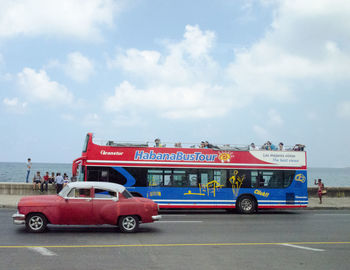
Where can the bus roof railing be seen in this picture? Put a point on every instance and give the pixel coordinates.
(222, 147)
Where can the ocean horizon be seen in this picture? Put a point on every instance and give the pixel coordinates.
(17, 171)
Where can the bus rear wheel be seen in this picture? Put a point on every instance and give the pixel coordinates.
(246, 205)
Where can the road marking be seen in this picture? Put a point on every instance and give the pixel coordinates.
(332, 214)
(301, 247)
(170, 215)
(179, 221)
(182, 245)
(43, 251)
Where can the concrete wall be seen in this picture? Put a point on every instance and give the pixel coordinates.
(23, 189)
(27, 189)
(334, 192)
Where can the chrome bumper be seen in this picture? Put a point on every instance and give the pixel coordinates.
(156, 217)
(18, 218)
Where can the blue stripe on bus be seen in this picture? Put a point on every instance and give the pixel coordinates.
(130, 180)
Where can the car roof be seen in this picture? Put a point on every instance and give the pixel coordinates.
(102, 185)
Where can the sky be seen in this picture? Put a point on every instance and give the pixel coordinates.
(230, 72)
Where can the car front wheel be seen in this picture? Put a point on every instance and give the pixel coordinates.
(128, 224)
(36, 223)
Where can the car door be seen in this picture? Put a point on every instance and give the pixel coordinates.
(77, 207)
(105, 207)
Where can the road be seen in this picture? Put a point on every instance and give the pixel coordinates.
(298, 239)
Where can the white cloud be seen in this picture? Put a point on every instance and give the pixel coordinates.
(78, 67)
(178, 84)
(38, 87)
(343, 109)
(194, 101)
(79, 18)
(307, 41)
(14, 105)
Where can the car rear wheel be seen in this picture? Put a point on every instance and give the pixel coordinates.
(36, 223)
(128, 224)
(246, 205)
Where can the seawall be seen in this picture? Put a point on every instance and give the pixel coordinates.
(7, 188)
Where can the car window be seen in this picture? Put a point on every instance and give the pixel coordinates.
(79, 193)
(127, 194)
(105, 194)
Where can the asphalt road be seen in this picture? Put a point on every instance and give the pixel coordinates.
(300, 239)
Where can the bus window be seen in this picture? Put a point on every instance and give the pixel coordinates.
(104, 176)
(240, 177)
(276, 180)
(220, 176)
(206, 176)
(155, 178)
(92, 175)
(86, 143)
(81, 176)
(192, 177)
(179, 178)
(167, 180)
(288, 178)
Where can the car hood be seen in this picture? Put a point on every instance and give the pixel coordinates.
(38, 200)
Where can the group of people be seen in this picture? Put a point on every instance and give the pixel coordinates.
(270, 146)
(43, 181)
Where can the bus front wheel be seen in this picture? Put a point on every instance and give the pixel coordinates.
(246, 205)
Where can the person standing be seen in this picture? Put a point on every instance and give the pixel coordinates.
(59, 182)
(29, 166)
(320, 189)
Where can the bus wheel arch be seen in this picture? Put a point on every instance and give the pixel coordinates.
(247, 204)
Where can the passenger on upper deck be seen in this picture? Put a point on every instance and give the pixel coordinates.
(208, 145)
(252, 147)
(280, 146)
(178, 145)
(299, 147)
(157, 143)
(202, 145)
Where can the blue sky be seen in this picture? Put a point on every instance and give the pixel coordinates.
(223, 71)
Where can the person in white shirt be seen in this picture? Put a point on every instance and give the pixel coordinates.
(280, 146)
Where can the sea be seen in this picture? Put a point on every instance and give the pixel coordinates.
(17, 171)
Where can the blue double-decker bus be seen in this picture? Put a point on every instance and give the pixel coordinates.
(224, 177)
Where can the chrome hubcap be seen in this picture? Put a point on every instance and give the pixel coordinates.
(129, 223)
(35, 223)
(246, 204)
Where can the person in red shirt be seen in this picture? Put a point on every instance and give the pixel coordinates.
(45, 182)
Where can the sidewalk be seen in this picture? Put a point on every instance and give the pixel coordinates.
(10, 201)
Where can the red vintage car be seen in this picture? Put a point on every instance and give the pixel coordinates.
(86, 203)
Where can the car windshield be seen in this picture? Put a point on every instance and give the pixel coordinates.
(63, 191)
(127, 194)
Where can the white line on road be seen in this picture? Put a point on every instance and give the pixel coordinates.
(332, 214)
(173, 215)
(301, 247)
(43, 251)
(179, 221)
